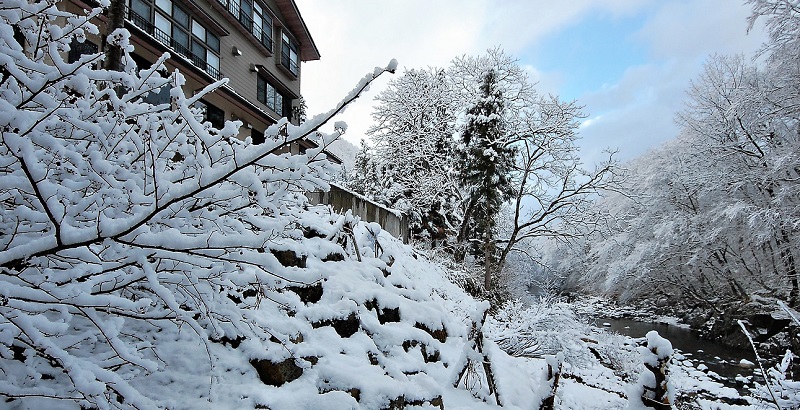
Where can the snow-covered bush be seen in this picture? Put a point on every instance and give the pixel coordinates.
(545, 327)
(123, 222)
(654, 388)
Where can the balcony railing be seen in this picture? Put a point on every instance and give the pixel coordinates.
(145, 25)
(236, 11)
(289, 64)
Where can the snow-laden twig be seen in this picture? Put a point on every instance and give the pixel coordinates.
(758, 361)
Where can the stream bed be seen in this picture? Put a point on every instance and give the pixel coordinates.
(721, 359)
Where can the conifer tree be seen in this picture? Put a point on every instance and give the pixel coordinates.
(486, 163)
(364, 175)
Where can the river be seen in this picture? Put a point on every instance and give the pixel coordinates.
(721, 359)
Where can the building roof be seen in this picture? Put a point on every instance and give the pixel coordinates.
(295, 23)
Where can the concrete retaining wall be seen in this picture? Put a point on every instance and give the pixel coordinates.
(341, 200)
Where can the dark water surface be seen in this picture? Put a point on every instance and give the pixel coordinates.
(721, 359)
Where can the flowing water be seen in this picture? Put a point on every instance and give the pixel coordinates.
(721, 359)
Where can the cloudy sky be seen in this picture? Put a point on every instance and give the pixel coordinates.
(629, 62)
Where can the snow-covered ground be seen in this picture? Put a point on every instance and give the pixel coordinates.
(388, 330)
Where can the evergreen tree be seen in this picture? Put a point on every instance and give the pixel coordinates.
(486, 164)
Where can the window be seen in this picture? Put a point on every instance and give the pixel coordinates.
(289, 54)
(271, 97)
(262, 26)
(198, 30)
(141, 8)
(257, 137)
(165, 5)
(164, 27)
(215, 115)
(247, 14)
(180, 39)
(180, 16)
(173, 26)
(160, 96)
(77, 49)
(254, 16)
(211, 113)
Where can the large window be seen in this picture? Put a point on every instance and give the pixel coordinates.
(254, 16)
(290, 54)
(272, 98)
(173, 26)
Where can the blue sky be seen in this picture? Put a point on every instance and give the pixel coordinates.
(589, 54)
(628, 62)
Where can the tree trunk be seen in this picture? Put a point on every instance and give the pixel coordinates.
(116, 19)
(789, 265)
(487, 255)
(461, 251)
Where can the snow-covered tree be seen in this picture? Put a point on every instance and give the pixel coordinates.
(363, 178)
(546, 189)
(122, 221)
(710, 218)
(486, 161)
(412, 134)
(551, 190)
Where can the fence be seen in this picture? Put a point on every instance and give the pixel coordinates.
(394, 222)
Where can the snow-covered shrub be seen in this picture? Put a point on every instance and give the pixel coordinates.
(545, 327)
(127, 227)
(654, 388)
(779, 387)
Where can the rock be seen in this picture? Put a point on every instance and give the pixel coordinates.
(438, 334)
(344, 327)
(388, 315)
(289, 258)
(309, 293)
(277, 374)
(227, 341)
(746, 364)
(333, 257)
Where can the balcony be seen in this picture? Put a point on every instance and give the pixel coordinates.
(265, 39)
(145, 25)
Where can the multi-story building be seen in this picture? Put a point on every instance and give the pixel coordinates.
(258, 45)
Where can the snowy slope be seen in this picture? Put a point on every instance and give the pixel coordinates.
(379, 333)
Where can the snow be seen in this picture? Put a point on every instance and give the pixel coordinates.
(137, 278)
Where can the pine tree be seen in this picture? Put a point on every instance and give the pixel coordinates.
(486, 163)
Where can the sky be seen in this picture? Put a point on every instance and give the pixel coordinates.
(628, 62)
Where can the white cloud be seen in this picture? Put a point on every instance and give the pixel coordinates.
(354, 36)
(636, 114)
(632, 114)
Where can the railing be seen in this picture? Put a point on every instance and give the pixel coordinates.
(236, 11)
(145, 25)
(290, 64)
